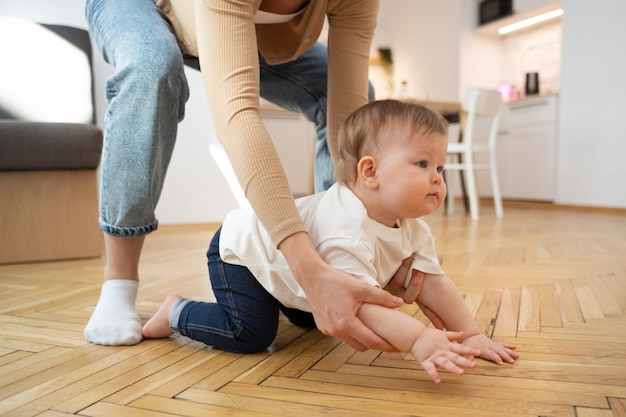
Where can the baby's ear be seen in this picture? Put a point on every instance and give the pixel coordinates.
(366, 170)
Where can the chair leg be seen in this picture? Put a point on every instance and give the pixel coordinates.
(463, 191)
(495, 185)
(449, 197)
(471, 188)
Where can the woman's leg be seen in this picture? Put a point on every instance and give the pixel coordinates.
(146, 99)
(245, 317)
(146, 96)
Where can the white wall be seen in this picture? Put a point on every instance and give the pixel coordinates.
(424, 36)
(480, 56)
(592, 138)
(70, 12)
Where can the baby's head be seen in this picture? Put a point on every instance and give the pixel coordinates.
(377, 124)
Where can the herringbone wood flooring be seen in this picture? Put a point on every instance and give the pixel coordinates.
(550, 280)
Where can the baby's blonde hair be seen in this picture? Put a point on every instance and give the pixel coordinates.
(377, 123)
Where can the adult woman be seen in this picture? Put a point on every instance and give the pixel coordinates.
(228, 44)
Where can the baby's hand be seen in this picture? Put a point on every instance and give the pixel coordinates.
(492, 351)
(436, 348)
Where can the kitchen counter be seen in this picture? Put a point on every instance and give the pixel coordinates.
(526, 149)
(531, 98)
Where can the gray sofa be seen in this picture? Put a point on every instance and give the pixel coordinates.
(50, 146)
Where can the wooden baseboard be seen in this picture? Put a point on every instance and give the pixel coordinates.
(49, 215)
(545, 205)
(550, 205)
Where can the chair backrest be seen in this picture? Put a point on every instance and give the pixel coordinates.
(482, 103)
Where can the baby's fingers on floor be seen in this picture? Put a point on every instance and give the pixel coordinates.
(462, 361)
(499, 355)
(431, 370)
(464, 350)
(507, 352)
(511, 352)
(508, 355)
(452, 364)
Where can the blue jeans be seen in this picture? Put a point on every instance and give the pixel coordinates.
(146, 99)
(245, 317)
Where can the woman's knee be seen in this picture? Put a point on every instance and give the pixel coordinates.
(155, 77)
(161, 67)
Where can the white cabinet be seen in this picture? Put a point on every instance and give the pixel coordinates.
(526, 149)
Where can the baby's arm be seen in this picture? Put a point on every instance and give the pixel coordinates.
(441, 295)
(432, 348)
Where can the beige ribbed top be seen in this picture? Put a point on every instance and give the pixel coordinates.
(228, 42)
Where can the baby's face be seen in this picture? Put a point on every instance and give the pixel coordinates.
(410, 176)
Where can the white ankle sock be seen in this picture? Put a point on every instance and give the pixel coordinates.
(114, 321)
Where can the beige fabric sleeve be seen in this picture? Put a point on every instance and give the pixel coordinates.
(227, 49)
(351, 29)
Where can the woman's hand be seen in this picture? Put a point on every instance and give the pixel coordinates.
(396, 285)
(335, 296)
(412, 290)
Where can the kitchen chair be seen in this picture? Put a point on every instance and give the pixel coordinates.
(479, 106)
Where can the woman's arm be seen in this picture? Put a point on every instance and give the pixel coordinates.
(227, 49)
(351, 27)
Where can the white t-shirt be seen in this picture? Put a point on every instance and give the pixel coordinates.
(342, 233)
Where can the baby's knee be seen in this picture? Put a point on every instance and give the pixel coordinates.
(254, 342)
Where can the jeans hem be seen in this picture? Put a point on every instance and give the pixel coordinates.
(176, 313)
(135, 231)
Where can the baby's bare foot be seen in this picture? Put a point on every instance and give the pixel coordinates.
(159, 325)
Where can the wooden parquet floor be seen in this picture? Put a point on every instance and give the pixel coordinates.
(550, 280)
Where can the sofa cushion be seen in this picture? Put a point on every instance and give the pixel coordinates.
(44, 146)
